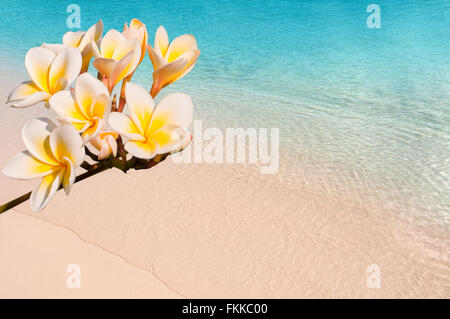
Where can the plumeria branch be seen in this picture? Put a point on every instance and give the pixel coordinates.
(94, 169)
(121, 148)
(91, 155)
(91, 114)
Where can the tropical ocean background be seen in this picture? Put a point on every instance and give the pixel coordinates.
(362, 112)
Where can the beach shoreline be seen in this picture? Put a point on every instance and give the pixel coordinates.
(210, 231)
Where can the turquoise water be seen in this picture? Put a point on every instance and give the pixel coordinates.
(362, 112)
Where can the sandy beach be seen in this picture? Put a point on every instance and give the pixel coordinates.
(208, 231)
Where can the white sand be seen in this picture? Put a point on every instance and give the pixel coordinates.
(35, 265)
(190, 230)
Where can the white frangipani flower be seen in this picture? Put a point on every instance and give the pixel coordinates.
(151, 131)
(49, 73)
(171, 61)
(53, 153)
(81, 40)
(117, 57)
(86, 107)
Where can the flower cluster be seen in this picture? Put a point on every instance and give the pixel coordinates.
(124, 130)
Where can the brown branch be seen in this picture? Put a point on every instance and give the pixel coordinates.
(90, 154)
(121, 149)
(14, 202)
(86, 166)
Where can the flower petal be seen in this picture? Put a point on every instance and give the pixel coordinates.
(170, 138)
(67, 65)
(73, 39)
(104, 65)
(167, 74)
(112, 143)
(126, 47)
(174, 109)
(101, 106)
(123, 68)
(181, 45)
(95, 50)
(66, 142)
(26, 166)
(140, 105)
(35, 135)
(64, 105)
(96, 142)
(192, 57)
(80, 126)
(125, 126)
(45, 191)
(110, 43)
(145, 150)
(68, 177)
(56, 48)
(24, 90)
(93, 33)
(32, 100)
(88, 44)
(105, 134)
(136, 24)
(161, 41)
(59, 85)
(104, 151)
(92, 130)
(37, 63)
(86, 55)
(156, 58)
(106, 146)
(87, 89)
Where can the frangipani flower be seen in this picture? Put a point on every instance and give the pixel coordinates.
(86, 108)
(53, 153)
(171, 62)
(117, 58)
(49, 74)
(81, 40)
(138, 31)
(149, 130)
(106, 144)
